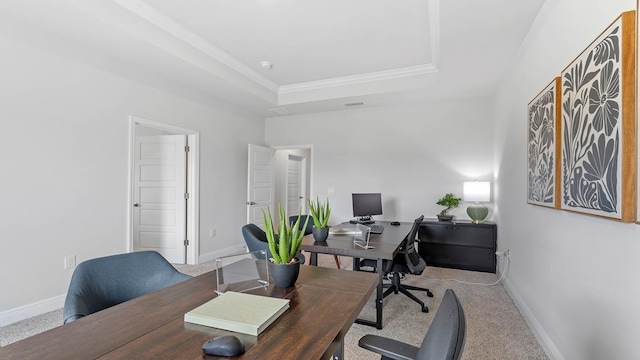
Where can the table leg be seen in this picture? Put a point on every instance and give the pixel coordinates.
(379, 295)
(339, 354)
(313, 259)
(379, 300)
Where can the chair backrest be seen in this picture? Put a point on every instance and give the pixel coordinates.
(107, 281)
(445, 338)
(255, 238)
(309, 229)
(414, 262)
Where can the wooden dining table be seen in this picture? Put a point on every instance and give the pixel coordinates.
(324, 304)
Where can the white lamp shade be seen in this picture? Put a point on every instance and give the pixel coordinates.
(477, 191)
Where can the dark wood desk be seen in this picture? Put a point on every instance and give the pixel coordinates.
(386, 245)
(152, 326)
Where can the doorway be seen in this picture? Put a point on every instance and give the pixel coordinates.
(163, 191)
(282, 176)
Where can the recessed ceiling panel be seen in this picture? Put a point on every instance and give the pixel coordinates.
(310, 40)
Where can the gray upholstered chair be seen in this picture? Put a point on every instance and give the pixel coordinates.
(107, 281)
(444, 340)
(256, 239)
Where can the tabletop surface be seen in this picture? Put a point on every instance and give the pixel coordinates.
(385, 245)
(152, 326)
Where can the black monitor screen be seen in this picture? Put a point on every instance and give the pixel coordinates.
(367, 204)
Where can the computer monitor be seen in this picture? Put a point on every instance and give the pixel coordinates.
(366, 205)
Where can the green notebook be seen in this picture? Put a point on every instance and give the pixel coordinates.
(239, 312)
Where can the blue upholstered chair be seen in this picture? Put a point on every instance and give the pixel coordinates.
(444, 340)
(256, 239)
(107, 281)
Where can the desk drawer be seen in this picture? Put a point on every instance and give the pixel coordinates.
(459, 257)
(477, 235)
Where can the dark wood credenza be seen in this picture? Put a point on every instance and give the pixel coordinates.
(459, 244)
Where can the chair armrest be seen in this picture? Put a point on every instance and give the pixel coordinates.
(388, 348)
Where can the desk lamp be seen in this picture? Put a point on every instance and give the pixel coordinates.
(476, 192)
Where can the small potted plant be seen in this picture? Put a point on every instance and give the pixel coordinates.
(320, 213)
(450, 201)
(284, 267)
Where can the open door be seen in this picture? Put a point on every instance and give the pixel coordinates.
(295, 185)
(260, 183)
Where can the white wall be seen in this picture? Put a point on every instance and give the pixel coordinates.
(64, 153)
(412, 155)
(573, 275)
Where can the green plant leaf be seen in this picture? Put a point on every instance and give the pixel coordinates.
(320, 213)
(271, 240)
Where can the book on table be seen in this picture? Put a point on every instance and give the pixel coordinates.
(239, 312)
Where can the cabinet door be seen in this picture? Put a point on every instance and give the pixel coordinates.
(458, 234)
(458, 257)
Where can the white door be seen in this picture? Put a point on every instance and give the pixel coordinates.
(159, 208)
(260, 188)
(295, 193)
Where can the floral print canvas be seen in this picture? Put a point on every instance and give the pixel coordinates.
(543, 120)
(593, 127)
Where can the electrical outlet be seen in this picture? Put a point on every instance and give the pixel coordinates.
(69, 262)
(503, 253)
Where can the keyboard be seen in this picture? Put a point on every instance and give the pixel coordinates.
(377, 229)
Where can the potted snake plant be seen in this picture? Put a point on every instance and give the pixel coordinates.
(284, 266)
(320, 213)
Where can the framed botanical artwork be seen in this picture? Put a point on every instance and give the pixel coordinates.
(598, 154)
(637, 110)
(543, 146)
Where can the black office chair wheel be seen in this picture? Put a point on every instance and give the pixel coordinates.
(425, 309)
(429, 294)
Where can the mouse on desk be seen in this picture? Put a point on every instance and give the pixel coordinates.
(395, 223)
(224, 345)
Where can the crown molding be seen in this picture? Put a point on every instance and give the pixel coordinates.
(174, 29)
(359, 79)
(170, 31)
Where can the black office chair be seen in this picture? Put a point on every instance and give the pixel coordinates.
(309, 229)
(107, 281)
(444, 340)
(256, 239)
(406, 261)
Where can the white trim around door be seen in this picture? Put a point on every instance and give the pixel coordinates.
(193, 170)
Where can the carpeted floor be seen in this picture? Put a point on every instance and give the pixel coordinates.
(495, 328)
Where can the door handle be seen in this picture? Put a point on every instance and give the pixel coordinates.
(251, 203)
(135, 204)
(301, 197)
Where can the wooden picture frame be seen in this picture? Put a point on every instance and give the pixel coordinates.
(637, 42)
(543, 147)
(598, 154)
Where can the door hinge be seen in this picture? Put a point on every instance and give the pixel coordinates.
(186, 242)
(186, 196)
(186, 148)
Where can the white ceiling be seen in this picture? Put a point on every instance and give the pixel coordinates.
(325, 53)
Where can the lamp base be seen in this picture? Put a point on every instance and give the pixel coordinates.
(477, 212)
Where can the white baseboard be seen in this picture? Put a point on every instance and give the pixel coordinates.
(38, 308)
(211, 256)
(537, 329)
